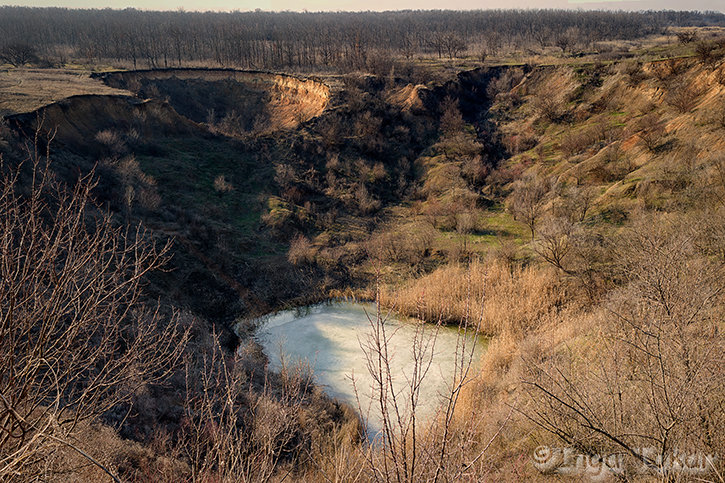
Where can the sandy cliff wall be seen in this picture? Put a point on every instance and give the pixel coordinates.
(275, 101)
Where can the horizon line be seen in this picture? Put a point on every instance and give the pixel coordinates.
(578, 8)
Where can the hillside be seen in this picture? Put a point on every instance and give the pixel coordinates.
(574, 211)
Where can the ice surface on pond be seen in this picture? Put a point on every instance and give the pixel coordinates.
(329, 338)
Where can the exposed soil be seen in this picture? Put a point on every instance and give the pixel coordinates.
(233, 99)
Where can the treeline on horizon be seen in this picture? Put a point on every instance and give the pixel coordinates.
(344, 40)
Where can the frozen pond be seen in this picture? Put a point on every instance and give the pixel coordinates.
(329, 337)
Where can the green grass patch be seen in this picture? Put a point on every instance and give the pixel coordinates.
(186, 169)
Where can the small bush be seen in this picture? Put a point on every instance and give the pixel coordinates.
(221, 185)
(634, 72)
(505, 82)
(112, 141)
(709, 53)
(668, 69)
(720, 75)
(651, 131)
(451, 122)
(683, 96)
(518, 143)
(301, 251)
(577, 142)
(687, 36)
(366, 202)
(548, 107)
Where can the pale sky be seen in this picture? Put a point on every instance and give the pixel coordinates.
(357, 5)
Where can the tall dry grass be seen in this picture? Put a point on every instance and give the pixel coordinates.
(528, 311)
(507, 299)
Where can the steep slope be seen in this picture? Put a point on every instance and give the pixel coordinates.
(75, 122)
(233, 101)
(638, 134)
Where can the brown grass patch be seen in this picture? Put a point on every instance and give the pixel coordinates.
(25, 90)
(507, 299)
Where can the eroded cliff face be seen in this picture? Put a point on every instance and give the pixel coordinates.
(637, 134)
(230, 100)
(78, 122)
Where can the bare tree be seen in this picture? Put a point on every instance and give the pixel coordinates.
(76, 338)
(687, 36)
(683, 96)
(651, 130)
(526, 202)
(655, 389)
(556, 241)
(575, 202)
(454, 45)
(452, 122)
(409, 448)
(568, 39)
(17, 54)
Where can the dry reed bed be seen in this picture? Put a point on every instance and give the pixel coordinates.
(506, 299)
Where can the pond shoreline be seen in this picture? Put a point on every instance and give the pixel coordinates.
(333, 339)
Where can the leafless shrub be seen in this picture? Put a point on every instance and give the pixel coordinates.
(234, 124)
(717, 116)
(712, 233)
(367, 129)
(687, 36)
(149, 199)
(366, 202)
(112, 140)
(221, 185)
(526, 202)
(716, 181)
(509, 79)
(466, 222)
(611, 166)
(518, 143)
(708, 53)
(557, 236)
(575, 202)
(548, 106)
(301, 251)
(651, 131)
(683, 96)
(634, 72)
(657, 384)
(579, 141)
(668, 69)
(451, 120)
(232, 432)
(409, 243)
(720, 75)
(75, 337)
(506, 251)
(475, 169)
(130, 184)
(17, 54)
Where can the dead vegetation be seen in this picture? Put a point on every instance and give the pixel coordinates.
(653, 387)
(507, 298)
(602, 298)
(77, 340)
(25, 90)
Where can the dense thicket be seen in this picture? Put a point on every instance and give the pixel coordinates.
(316, 40)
